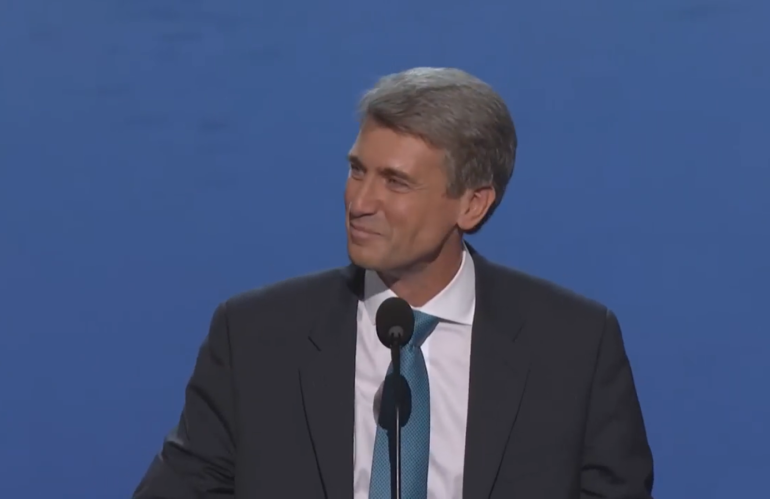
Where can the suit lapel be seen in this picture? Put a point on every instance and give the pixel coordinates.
(327, 379)
(498, 375)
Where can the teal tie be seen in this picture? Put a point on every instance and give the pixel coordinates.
(415, 431)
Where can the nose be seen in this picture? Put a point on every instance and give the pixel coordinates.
(363, 198)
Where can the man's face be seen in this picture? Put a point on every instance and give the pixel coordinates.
(398, 212)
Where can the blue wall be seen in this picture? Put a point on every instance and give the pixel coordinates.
(159, 156)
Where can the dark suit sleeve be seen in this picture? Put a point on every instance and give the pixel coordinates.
(197, 457)
(617, 462)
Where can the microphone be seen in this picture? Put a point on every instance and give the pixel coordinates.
(394, 322)
(395, 325)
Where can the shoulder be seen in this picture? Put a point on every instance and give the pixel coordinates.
(294, 292)
(547, 291)
(568, 325)
(281, 311)
(541, 300)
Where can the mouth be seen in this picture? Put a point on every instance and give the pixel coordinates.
(359, 231)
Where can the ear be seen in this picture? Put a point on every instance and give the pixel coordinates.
(474, 205)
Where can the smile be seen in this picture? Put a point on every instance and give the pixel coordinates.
(357, 232)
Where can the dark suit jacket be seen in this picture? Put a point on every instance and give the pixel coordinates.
(553, 411)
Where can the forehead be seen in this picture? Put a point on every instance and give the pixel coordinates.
(378, 146)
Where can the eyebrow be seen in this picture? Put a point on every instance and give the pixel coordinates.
(353, 159)
(386, 171)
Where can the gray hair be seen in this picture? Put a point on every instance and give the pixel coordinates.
(456, 112)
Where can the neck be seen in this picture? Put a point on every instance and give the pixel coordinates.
(420, 284)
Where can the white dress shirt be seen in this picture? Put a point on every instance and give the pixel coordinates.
(447, 355)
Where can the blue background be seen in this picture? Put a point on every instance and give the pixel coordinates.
(158, 156)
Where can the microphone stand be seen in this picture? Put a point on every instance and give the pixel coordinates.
(395, 353)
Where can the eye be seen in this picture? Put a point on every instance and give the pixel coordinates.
(397, 183)
(356, 171)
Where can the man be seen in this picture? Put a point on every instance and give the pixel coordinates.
(521, 389)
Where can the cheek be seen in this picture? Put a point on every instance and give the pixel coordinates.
(424, 223)
(400, 217)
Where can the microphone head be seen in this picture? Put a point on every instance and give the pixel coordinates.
(394, 322)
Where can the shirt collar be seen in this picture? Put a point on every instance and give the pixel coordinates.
(455, 303)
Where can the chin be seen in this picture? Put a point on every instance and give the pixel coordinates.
(365, 258)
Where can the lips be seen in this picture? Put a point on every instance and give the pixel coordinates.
(362, 230)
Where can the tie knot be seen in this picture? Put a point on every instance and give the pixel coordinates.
(424, 324)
